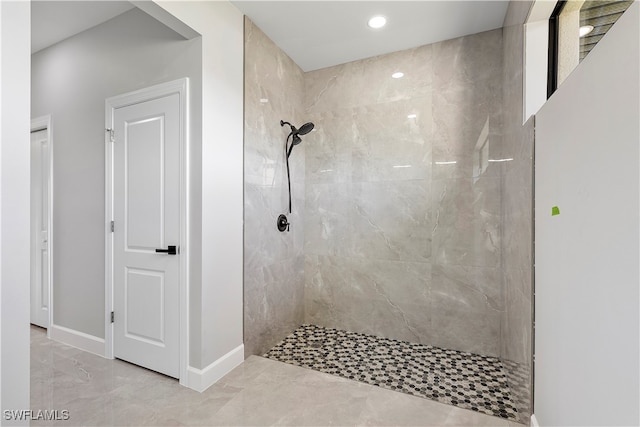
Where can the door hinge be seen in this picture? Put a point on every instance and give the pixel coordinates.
(112, 317)
(113, 226)
(112, 134)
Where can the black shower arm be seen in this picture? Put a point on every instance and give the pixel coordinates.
(290, 147)
(286, 144)
(287, 150)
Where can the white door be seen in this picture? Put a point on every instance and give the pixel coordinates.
(146, 209)
(40, 228)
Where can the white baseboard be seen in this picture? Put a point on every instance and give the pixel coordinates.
(534, 421)
(202, 379)
(77, 339)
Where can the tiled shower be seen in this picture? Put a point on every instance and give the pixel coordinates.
(402, 232)
(410, 202)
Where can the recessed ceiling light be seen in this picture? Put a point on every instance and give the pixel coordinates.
(377, 22)
(397, 75)
(586, 29)
(412, 116)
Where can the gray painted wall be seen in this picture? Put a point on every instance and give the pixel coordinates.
(70, 81)
(587, 281)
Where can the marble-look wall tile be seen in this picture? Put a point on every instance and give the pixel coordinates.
(464, 329)
(516, 210)
(467, 130)
(327, 212)
(328, 156)
(476, 287)
(273, 304)
(518, 235)
(369, 81)
(393, 142)
(391, 220)
(466, 308)
(386, 205)
(467, 60)
(466, 224)
(332, 298)
(362, 295)
(274, 261)
(399, 293)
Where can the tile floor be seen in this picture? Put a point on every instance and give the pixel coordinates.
(259, 392)
(453, 377)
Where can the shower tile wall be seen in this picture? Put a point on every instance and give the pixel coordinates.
(402, 217)
(517, 202)
(273, 261)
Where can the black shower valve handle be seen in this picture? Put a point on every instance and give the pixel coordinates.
(283, 223)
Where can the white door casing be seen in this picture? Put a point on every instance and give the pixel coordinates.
(40, 222)
(146, 200)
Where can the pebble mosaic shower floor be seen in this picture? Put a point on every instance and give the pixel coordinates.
(453, 377)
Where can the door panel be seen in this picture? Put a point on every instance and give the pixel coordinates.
(145, 183)
(147, 217)
(147, 325)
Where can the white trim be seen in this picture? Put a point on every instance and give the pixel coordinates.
(108, 242)
(202, 379)
(45, 123)
(536, 49)
(534, 421)
(77, 339)
(181, 87)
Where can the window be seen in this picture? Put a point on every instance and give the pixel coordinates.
(575, 28)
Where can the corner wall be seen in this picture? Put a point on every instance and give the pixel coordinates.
(517, 216)
(274, 261)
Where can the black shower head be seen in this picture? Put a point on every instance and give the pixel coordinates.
(305, 128)
(295, 134)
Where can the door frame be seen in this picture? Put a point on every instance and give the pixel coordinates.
(181, 87)
(38, 124)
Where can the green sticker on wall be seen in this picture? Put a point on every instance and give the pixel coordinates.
(555, 211)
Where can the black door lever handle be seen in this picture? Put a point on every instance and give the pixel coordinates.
(171, 250)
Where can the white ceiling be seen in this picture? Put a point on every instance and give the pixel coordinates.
(315, 34)
(319, 34)
(54, 21)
